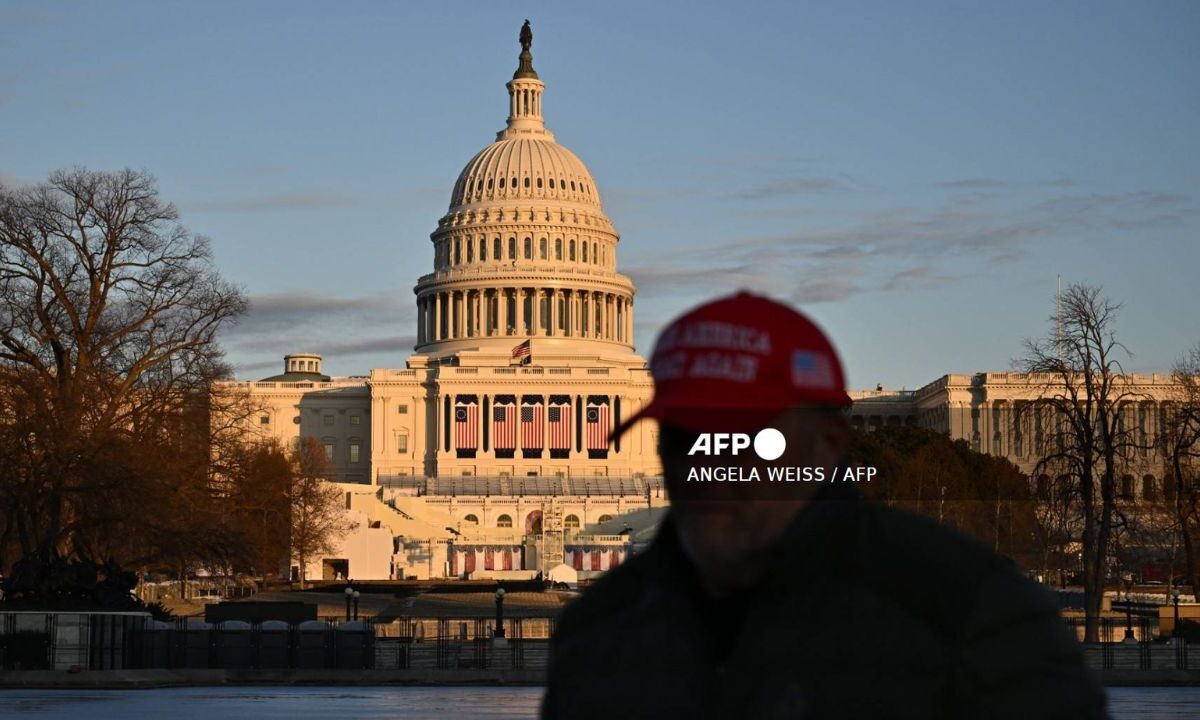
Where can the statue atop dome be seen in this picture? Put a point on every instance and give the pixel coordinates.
(525, 68)
(526, 36)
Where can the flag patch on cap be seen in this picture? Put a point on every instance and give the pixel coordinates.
(811, 370)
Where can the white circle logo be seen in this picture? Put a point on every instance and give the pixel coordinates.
(769, 443)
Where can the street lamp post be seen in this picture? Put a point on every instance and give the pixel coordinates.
(1175, 600)
(498, 635)
(1129, 607)
(356, 596)
(349, 598)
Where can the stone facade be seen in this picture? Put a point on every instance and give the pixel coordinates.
(999, 413)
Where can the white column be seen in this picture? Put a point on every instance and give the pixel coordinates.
(629, 321)
(437, 316)
(478, 313)
(535, 321)
(502, 311)
(458, 315)
(554, 312)
(420, 321)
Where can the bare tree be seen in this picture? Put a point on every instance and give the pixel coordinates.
(1181, 438)
(109, 311)
(1086, 387)
(318, 517)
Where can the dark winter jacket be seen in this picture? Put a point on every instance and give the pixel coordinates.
(867, 612)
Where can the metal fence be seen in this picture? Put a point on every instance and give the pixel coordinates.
(270, 644)
(1134, 644)
(66, 640)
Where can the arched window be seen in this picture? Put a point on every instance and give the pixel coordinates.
(542, 248)
(496, 244)
(585, 250)
(528, 248)
(1127, 487)
(571, 522)
(572, 184)
(471, 519)
(539, 183)
(490, 181)
(470, 250)
(526, 182)
(551, 183)
(501, 183)
(1149, 490)
(504, 521)
(513, 184)
(512, 248)
(571, 251)
(558, 248)
(482, 249)
(457, 253)
(604, 518)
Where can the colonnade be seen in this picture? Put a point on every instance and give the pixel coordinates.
(524, 311)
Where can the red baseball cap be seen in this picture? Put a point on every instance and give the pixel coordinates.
(743, 352)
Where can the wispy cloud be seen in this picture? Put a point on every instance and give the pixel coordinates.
(922, 275)
(339, 328)
(308, 200)
(789, 186)
(974, 184)
(393, 343)
(928, 245)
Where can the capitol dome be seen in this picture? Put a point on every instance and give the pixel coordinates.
(520, 168)
(525, 250)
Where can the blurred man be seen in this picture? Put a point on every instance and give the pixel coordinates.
(793, 597)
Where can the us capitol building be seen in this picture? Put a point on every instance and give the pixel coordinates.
(487, 454)
(494, 436)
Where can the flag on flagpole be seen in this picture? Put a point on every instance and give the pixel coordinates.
(523, 352)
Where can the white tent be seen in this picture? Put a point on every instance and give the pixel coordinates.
(564, 573)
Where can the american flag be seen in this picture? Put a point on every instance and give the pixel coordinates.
(523, 351)
(531, 427)
(466, 426)
(811, 370)
(597, 427)
(504, 425)
(559, 421)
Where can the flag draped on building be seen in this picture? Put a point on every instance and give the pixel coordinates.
(598, 426)
(558, 423)
(466, 425)
(504, 425)
(531, 426)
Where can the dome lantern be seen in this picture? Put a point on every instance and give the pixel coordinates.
(525, 95)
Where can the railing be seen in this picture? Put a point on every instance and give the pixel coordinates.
(430, 643)
(64, 640)
(1137, 644)
(270, 644)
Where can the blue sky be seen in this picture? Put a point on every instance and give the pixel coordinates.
(914, 177)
